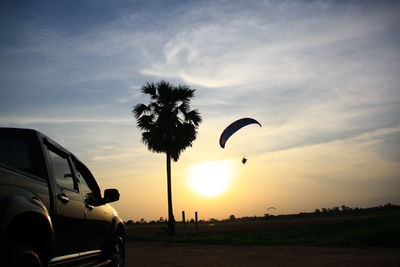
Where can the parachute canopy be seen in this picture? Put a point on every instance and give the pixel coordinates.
(233, 128)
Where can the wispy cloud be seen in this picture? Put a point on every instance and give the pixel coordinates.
(243, 48)
(25, 120)
(314, 73)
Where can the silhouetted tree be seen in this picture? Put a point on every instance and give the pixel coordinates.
(345, 208)
(232, 218)
(168, 126)
(212, 220)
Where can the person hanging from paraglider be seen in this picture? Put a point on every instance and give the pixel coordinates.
(233, 128)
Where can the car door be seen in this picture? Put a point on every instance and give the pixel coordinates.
(69, 219)
(97, 215)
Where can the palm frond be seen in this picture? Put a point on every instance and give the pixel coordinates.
(150, 89)
(146, 122)
(165, 93)
(193, 117)
(184, 135)
(184, 107)
(139, 109)
(155, 108)
(184, 93)
(153, 142)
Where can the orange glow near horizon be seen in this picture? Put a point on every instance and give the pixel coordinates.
(210, 179)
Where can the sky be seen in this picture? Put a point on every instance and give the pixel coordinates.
(322, 77)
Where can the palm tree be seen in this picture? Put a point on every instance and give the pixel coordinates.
(168, 126)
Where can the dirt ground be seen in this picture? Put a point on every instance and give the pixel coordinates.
(159, 254)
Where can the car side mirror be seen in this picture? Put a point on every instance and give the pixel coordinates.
(111, 195)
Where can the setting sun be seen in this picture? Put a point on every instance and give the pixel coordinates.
(210, 178)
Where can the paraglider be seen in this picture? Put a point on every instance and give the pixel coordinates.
(233, 128)
(270, 208)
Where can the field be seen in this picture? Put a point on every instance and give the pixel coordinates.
(172, 254)
(365, 230)
(370, 239)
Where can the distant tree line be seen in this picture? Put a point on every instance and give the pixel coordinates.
(163, 221)
(143, 221)
(344, 210)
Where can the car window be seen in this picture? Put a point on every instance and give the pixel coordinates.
(87, 191)
(15, 153)
(86, 181)
(21, 151)
(62, 170)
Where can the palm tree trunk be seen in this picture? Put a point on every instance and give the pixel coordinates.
(171, 220)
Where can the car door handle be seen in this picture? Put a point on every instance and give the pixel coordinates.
(63, 197)
(90, 207)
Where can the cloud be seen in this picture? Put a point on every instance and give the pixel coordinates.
(312, 72)
(245, 47)
(26, 120)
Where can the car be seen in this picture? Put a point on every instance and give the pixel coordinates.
(52, 212)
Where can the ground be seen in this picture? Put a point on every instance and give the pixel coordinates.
(163, 254)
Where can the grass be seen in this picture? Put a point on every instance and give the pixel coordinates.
(359, 231)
